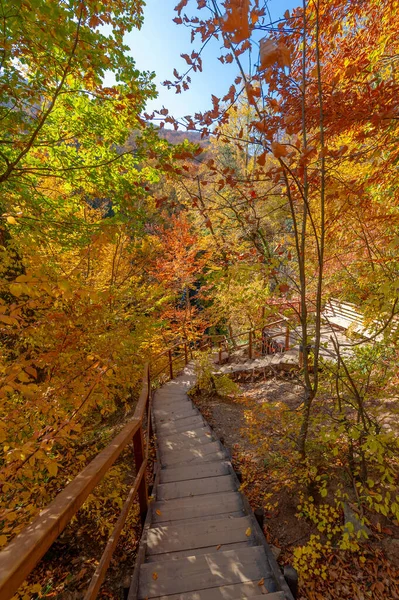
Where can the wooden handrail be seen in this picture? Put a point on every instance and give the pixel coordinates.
(19, 558)
(22, 554)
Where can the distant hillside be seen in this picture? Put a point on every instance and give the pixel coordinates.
(177, 137)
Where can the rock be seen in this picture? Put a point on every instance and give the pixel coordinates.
(351, 517)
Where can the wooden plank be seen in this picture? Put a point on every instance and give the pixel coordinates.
(230, 592)
(170, 399)
(176, 442)
(189, 508)
(169, 391)
(206, 453)
(184, 536)
(164, 416)
(188, 433)
(160, 421)
(203, 572)
(200, 452)
(189, 459)
(186, 424)
(175, 405)
(185, 473)
(198, 551)
(198, 487)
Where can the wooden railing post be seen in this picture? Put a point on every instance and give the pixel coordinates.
(149, 407)
(287, 338)
(250, 344)
(185, 352)
(170, 364)
(138, 445)
(220, 353)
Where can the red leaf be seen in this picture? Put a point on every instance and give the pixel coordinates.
(179, 7)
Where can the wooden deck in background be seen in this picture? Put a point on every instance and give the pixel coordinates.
(200, 540)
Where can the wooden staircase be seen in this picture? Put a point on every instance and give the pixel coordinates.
(201, 540)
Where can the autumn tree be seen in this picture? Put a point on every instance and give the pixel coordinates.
(78, 312)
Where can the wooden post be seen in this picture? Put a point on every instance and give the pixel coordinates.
(185, 352)
(220, 353)
(138, 445)
(291, 577)
(250, 344)
(287, 338)
(170, 364)
(259, 514)
(149, 407)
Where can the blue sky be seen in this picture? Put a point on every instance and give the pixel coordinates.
(158, 45)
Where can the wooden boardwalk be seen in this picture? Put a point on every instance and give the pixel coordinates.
(200, 540)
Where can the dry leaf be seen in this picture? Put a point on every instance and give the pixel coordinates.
(155, 576)
(279, 150)
(261, 581)
(248, 532)
(158, 512)
(218, 547)
(268, 53)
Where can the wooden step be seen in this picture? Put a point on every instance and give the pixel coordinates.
(164, 392)
(180, 421)
(187, 434)
(182, 425)
(190, 508)
(206, 452)
(176, 404)
(203, 572)
(198, 487)
(196, 460)
(183, 442)
(184, 473)
(240, 591)
(165, 416)
(191, 536)
(198, 551)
